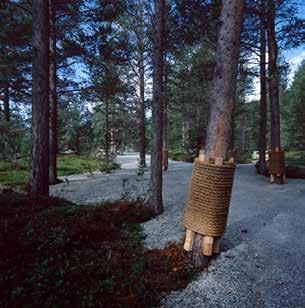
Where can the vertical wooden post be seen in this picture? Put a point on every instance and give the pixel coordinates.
(189, 240)
(216, 245)
(208, 245)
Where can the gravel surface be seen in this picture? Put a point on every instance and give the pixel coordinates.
(262, 263)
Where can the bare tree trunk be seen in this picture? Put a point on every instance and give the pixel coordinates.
(274, 83)
(155, 201)
(6, 101)
(165, 113)
(263, 92)
(53, 98)
(142, 111)
(107, 131)
(112, 142)
(6, 114)
(232, 137)
(122, 143)
(223, 94)
(201, 130)
(243, 123)
(39, 160)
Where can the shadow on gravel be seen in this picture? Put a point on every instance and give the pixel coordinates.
(246, 229)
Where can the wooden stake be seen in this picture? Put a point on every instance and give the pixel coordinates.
(232, 160)
(208, 245)
(189, 240)
(216, 245)
(201, 156)
(219, 161)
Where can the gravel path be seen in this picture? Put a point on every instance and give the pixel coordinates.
(263, 258)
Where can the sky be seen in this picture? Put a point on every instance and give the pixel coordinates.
(294, 57)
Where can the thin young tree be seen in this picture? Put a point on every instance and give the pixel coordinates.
(165, 116)
(223, 94)
(137, 25)
(155, 200)
(263, 91)
(39, 159)
(53, 97)
(141, 48)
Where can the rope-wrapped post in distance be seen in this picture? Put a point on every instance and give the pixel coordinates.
(209, 198)
(277, 162)
(165, 158)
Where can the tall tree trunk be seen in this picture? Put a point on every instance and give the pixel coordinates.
(39, 159)
(112, 142)
(53, 98)
(142, 129)
(201, 129)
(6, 101)
(122, 143)
(263, 92)
(6, 114)
(223, 93)
(155, 200)
(274, 83)
(107, 141)
(165, 111)
(273, 78)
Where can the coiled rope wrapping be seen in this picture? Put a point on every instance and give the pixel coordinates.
(165, 158)
(209, 198)
(277, 162)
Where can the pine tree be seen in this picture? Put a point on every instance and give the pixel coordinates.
(223, 93)
(155, 201)
(39, 160)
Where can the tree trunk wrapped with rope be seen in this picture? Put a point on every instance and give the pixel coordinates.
(209, 198)
(277, 167)
(212, 181)
(165, 158)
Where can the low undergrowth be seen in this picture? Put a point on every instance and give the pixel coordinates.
(179, 155)
(16, 173)
(57, 254)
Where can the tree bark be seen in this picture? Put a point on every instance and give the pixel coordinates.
(39, 159)
(274, 83)
(263, 92)
(165, 110)
(107, 141)
(223, 94)
(6, 101)
(142, 129)
(155, 201)
(53, 98)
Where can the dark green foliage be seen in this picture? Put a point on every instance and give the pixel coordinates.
(15, 173)
(293, 106)
(56, 254)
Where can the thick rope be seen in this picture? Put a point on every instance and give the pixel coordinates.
(165, 158)
(209, 198)
(277, 162)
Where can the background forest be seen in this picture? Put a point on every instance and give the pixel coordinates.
(102, 84)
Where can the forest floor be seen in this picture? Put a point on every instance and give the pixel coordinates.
(263, 255)
(15, 173)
